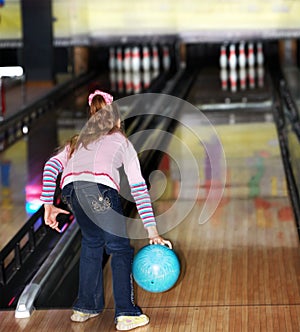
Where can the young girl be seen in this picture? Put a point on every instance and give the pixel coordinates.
(90, 185)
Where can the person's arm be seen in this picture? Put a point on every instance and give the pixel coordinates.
(51, 171)
(52, 168)
(140, 193)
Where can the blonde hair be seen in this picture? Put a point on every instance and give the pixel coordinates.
(104, 121)
(72, 145)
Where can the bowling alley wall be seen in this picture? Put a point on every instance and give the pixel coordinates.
(94, 18)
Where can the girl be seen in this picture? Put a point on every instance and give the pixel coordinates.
(90, 184)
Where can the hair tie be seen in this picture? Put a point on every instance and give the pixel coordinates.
(107, 97)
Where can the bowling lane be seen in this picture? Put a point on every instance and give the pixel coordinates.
(247, 252)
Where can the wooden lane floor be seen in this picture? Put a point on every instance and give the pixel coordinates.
(239, 269)
(170, 319)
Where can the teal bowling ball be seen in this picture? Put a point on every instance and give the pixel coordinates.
(156, 268)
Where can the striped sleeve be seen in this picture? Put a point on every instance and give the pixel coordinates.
(142, 199)
(51, 170)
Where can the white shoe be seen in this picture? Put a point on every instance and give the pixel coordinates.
(125, 323)
(81, 316)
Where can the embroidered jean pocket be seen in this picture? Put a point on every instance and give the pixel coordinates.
(99, 203)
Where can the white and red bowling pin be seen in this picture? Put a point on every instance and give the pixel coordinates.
(112, 59)
(120, 81)
(251, 55)
(146, 79)
(155, 58)
(127, 59)
(136, 59)
(223, 57)
(251, 77)
(233, 80)
(242, 56)
(146, 59)
(243, 77)
(259, 54)
(136, 82)
(112, 79)
(166, 58)
(119, 61)
(128, 81)
(154, 74)
(260, 76)
(232, 57)
(224, 78)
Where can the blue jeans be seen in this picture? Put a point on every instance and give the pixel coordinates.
(92, 204)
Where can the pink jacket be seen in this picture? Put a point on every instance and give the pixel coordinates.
(100, 163)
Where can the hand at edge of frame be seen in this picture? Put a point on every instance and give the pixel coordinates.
(50, 215)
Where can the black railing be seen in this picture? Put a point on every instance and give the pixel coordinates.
(15, 254)
(290, 109)
(288, 128)
(33, 230)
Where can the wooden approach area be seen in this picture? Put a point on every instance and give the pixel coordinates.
(240, 269)
(243, 279)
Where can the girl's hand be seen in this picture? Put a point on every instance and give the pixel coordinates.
(50, 215)
(159, 240)
(155, 238)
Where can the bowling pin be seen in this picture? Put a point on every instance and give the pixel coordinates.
(243, 78)
(112, 79)
(136, 80)
(155, 58)
(233, 80)
(136, 59)
(146, 59)
(155, 74)
(119, 59)
(223, 57)
(224, 78)
(232, 57)
(251, 56)
(120, 81)
(146, 79)
(251, 76)
(259, 54)
(128, 82)
(260, 76)
(127, 59)
(166, 58)
(242, 56)
(112, 59)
